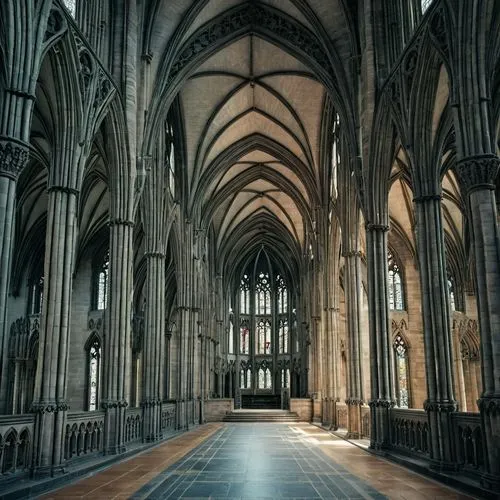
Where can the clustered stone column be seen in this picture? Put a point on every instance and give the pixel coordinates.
(437, 329)
(49, 402)
(477, 175)
(153, 346)
(355, 397)
(13, 157)
(117, 352)
(381, 379)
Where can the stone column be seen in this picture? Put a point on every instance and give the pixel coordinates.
(381, 366)
(437, 329)
(477, 175)
(153, 346)
(13, 158)
(49, 402)
(355, 397)
(117, 350)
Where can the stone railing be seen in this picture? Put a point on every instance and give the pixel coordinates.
(16, 438)
(133, 425)
(84, 434)
(469, 441)
(410, 431)
(168, 412)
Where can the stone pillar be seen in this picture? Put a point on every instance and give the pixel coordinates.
(182, 392)
(153, 351)
(477, 175)
(355, 397)
(437, 330)
(381, 366)
(117, 350)
(49, 402)
(13, 158)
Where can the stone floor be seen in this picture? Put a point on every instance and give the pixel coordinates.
(264, 460)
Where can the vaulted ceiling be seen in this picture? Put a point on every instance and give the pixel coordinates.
(254, 118)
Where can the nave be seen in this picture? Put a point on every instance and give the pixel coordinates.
(256, 460)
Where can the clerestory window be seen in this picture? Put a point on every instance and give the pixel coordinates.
(395, 285)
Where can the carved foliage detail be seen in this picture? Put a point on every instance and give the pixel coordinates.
(478, 172)
(13, 157)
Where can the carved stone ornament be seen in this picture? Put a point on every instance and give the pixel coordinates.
(381, 403)
(478, 172)
(251, 17)
(489, 406)
(49, 407)
(13, 157)
(440, 406)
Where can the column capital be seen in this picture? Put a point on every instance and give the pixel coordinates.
(428, 197)
(440, 406)
(478, 172)
(14, 155)
(489, 405)
(157, 255)
(62, 189)
(376, 227)
(352, 253)
(116, 221)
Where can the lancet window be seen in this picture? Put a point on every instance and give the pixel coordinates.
(36, 295)
(169, 158)
(101, 283)
(451, 292)
(395, 285)
(401, 371)
(93, 372)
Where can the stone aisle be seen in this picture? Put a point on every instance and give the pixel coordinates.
(251, 461)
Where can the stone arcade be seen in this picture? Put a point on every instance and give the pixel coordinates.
(208, 205)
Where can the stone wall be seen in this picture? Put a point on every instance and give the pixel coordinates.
(303, 407)
(216, 409)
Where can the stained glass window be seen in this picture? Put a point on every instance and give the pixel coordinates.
(230, 339)
(169, 158)
(263, 294)
(245, 295)
(94, 358)
(244, 337)
(451, 293)
(71, 6)
(283, 335)
(335, 164)
(36, 296)
(102, 283)
(264, 381)
(425, 5)
(395, 286)
(263, 336)
(401, 371)
(282, 295)
(245, 378)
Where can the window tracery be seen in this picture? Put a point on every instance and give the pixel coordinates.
(101, 283)
(395, 285)
(401, 371)
(93, 369)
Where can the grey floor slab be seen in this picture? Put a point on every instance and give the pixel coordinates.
(252, 461)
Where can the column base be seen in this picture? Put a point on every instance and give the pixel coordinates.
(490, 482)
(116, 450)
(46, 471)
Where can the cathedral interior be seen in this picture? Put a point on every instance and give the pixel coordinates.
(219, 210)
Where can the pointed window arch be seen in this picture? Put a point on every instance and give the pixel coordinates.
(401, 371)
(93, 354)
(101, 282)
(335, 163)
(451, 292)
(395, 284)
(169, 156)
(245, 295)
(35, 301)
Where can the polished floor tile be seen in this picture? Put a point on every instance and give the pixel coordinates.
(252, 461)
